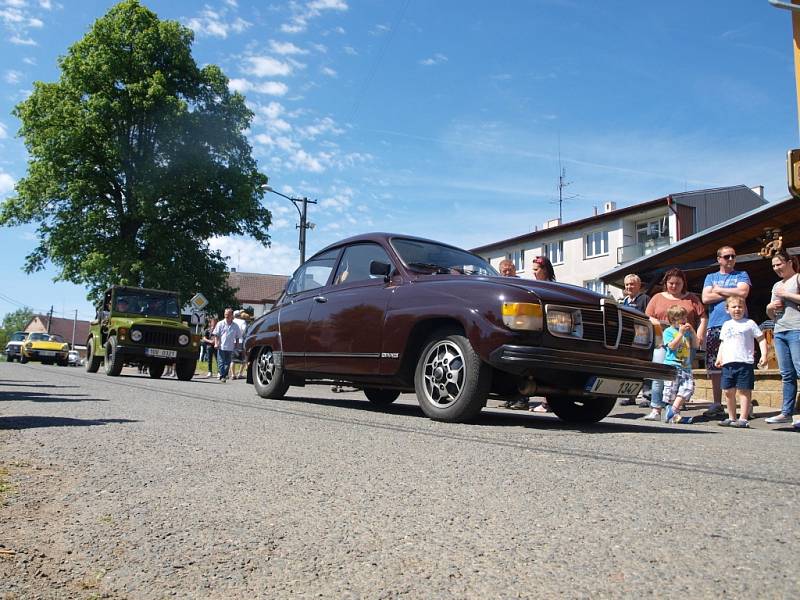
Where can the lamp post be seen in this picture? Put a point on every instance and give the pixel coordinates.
(304, 224)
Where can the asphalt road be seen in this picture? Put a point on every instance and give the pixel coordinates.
(129, 487)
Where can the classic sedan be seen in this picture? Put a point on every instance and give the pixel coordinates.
(45, 348)
(14, 344)
(394, 313)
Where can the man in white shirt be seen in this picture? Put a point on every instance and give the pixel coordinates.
(226, 332)
(239, 363)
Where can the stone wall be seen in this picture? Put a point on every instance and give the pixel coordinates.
(768, 390)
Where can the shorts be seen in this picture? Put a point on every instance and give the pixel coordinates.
(712, 348)
(682, 385)
(738, 375)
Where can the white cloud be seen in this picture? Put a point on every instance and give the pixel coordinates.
(286, 48)
(321, 48)
(272, 88)
(306, 162)
(323, 126)
(303, 13)
(350, 50)
(12, 16)
(436, 59)
(266, 66)
(379, 30)
(19, 41)
(250, 256)
(329, 72)
(213, 24)
(6, 183)
(29, 60)
(34, 22)
(46, 4)
(3, 131)
(13, 77)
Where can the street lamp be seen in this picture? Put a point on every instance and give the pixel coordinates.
(304, 224)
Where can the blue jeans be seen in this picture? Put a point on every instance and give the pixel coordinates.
(657, 389)
(224, 358)
(787, 351)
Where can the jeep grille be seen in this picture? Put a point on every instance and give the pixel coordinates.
(157, 336)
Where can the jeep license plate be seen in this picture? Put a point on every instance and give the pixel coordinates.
(613, 387)
(161, 353)
(47, 353)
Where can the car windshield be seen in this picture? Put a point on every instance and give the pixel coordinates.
(39, 337)
(18, 337)
(437, 258)
(146, 303)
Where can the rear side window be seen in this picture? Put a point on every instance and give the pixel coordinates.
(355, 262)
(313, 274)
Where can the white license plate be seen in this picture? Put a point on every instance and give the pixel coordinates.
(47, 353)
(613, 387)
(161, 353)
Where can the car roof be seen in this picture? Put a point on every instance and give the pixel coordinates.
(380, 236)
(127, 288)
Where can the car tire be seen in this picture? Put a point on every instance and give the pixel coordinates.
(451, 380)
(184, 369)
(23, 359)
(114, 359)
(581, 410)
(380, 396)
(155, 370)
(268, 375)
(63, 363)
(92, 361)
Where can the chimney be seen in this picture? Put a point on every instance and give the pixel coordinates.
(609, 206)
(551, 223)
(233, 269)
(759, 189)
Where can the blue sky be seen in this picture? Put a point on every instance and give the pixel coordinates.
(445, 118)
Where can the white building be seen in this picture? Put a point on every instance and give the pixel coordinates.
(582, 250)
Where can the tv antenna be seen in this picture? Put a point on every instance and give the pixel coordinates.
(562, 185)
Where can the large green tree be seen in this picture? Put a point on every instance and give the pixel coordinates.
(12, 322)
(137, 157)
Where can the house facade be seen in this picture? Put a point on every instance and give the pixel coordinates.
(257, 292)
(582, 250)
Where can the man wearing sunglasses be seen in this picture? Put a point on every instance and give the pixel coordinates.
(717, 288)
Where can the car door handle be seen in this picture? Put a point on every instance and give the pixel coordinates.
(320, 299)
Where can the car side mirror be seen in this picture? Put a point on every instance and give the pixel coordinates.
(377, 267)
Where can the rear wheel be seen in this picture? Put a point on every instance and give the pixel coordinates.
(184, 369)
(381, 397)
(581, 410)
(155, 370)
(451, 380)
(114, 360)
(92, 361)
(268, 376)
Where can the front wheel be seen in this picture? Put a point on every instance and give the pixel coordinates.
(381, 397)
(114, 360)
(451, 380)
(155, 370)
(581, 410)
(268, 377)
(184, 369)
(92, 361)
(23, 359)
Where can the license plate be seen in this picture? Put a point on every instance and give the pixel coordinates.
(47, 353)
(161, 353)
(613, 387)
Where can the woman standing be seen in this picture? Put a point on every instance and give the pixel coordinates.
(542, 271)
(675, 293)
(784, 309)
(211, 344)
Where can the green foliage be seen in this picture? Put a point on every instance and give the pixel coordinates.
(12, 322)
(137, 158)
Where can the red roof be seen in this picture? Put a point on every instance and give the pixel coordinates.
(257, 288)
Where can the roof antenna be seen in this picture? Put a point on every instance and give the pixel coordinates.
(562, 184)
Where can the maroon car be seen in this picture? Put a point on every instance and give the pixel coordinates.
(394, 313)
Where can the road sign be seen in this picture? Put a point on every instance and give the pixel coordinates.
(198, 301)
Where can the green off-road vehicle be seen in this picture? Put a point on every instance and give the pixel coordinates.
(141, 327)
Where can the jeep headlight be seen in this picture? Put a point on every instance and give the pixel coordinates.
(642, 334)
(136, 335)
(183, 339)
(564, 322)
(522, 315)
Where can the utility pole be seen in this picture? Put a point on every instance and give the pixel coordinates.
(49, 318)
(74, 326)
(303, 212)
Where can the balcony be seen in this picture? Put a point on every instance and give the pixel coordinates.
(634, 251)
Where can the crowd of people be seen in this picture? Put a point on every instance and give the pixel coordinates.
(716, 321)
(223, 339)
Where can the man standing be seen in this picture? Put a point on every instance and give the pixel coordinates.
(717, 287)
(226, 332)
(239, 363)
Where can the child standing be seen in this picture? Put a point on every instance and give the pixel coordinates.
(679, 339)
(736, 359)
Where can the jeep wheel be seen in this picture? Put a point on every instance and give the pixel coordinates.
(184, 369)
(451, 380)
(23, 359)
(155, 369)
(268, 376)
(381, 397)
(114, 359)
(92, 361)
(581, 410)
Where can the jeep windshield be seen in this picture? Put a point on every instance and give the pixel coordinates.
(430, 257)
(146, 303)
(18, 337)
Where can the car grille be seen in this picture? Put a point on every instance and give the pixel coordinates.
(156, 336)
(608, 325)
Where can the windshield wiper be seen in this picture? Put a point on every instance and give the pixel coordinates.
(435, 267)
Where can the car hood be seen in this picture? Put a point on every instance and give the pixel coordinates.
(151, 322)
(47, 345)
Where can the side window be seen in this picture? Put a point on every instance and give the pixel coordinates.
(355, 262)
(313, 274)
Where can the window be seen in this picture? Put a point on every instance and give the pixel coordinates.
(554, 251)
(595, 285)
(518, 258)
(355, 263)
(595, 244)
(313, 274)
(652, 234)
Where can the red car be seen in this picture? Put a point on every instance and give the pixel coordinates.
(394, 313)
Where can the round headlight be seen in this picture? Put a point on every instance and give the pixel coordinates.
(183, 339)
(136, 335)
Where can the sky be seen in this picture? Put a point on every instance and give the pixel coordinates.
(450, 119)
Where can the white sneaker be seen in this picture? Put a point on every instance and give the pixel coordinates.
(653, 416)
(208, 374)
(778, 419)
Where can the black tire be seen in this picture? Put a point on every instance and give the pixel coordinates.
(92, 361)
(23, 359)
(114, 359)
(47, 362)
(381, 397)
(581, 410)
(268, 375)
(63, 363)
(155, 370)
(451, 380)
(184, 369)
(10, 358)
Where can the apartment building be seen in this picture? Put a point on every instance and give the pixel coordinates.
(584, 249)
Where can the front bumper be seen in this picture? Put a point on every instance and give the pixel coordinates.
(531, 360)
(12, 351)
(37, 355)
(138, 352)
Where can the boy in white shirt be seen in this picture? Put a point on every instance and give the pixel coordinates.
(736, 359)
